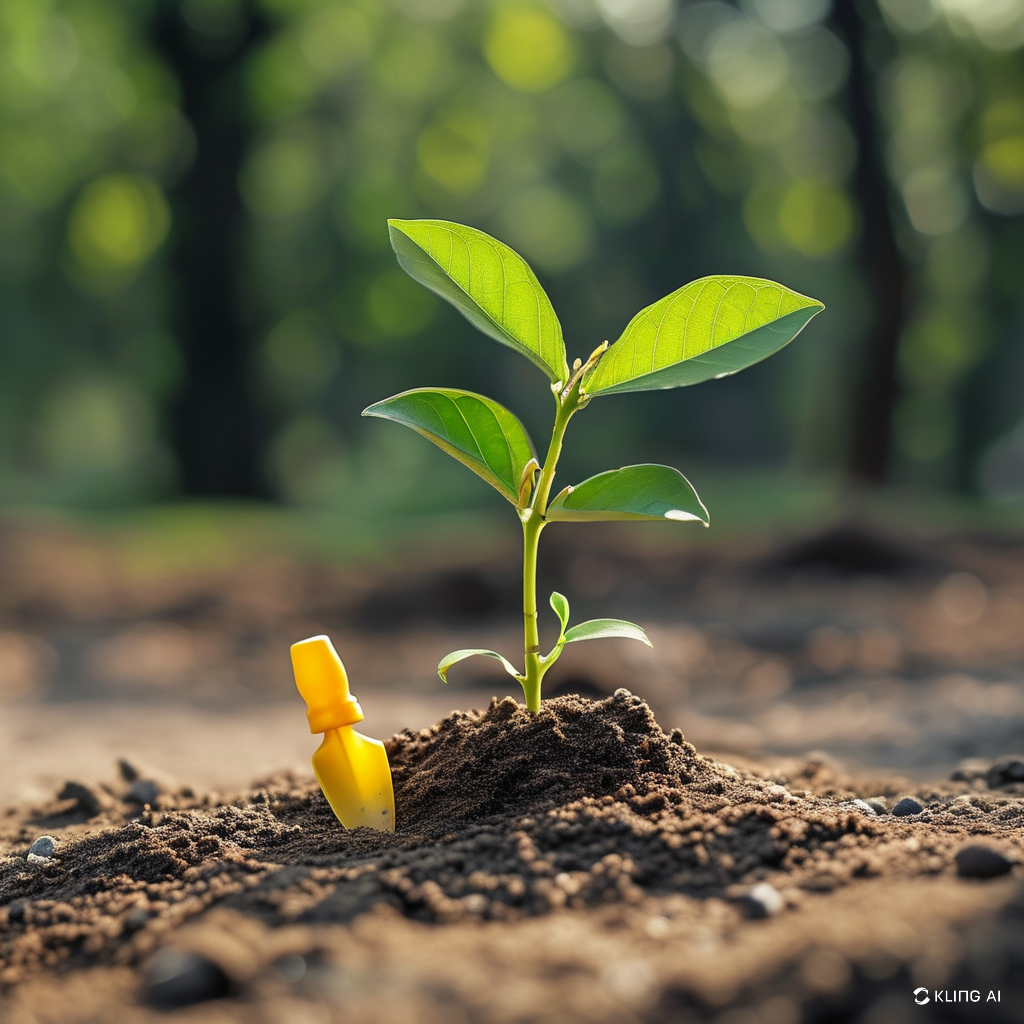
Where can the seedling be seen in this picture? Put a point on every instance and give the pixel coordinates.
(707, 329)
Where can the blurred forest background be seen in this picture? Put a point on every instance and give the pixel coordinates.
(197, 294)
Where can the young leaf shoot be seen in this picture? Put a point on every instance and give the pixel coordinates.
(707, 329)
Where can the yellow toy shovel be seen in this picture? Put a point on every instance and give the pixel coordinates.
(352, 769)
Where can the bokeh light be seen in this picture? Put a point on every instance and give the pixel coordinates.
(117, 222)
(527, 47)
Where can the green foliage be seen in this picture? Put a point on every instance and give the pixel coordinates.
(597, 629)
(457, 656)
(633, 492)
(492, 286)
(707, 329)
(710, 328)
(727, 126)
(560, 606)
(477, 431)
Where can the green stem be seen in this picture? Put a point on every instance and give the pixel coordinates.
(531, 634)
(533, 523)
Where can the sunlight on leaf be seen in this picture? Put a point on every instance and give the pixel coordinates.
(707, 329)
(491, 285)
(600, 629)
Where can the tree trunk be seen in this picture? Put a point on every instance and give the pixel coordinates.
(882, 263)
(217, 433)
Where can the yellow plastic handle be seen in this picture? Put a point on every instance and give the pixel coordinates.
(323, 683)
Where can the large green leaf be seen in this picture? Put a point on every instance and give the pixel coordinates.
(456, 656)
(709, 328)
(478, 431)
(633, 492)
(599, 629)
(491, 285)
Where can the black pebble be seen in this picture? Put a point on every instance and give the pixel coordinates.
(90, 800)
(907, 806)
(136, 919)
(143, 791)
(43, 848)
(1005, 772)
(981, 862)
(177, 978)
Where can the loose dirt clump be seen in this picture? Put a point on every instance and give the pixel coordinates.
(584, 831)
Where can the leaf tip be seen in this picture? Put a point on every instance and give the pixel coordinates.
(377, 409)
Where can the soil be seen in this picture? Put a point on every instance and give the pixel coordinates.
(582, 865)
(577, 865)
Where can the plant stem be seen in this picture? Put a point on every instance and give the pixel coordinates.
(533, 523)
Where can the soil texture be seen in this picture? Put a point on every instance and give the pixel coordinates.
(580, 865)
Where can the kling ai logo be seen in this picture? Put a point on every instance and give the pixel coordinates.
(960, 995)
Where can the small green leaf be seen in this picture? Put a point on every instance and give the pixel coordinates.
(456, 656)
(491, 285)
(634, 492)
(597, 629)
(709, 328)
(560, 606)
(479, 432)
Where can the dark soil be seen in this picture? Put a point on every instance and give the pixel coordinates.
(578, 865)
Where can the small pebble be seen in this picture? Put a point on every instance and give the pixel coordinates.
(42, 850)
(1005, 772)
(978, 861)
(763, 900)
(136, 919)
(177, 978)
(143, 791)
(906, 807)
(863, 805)
(16, 911)
(877, 804)
(292, 966)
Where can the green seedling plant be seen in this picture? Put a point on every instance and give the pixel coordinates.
(710, 328)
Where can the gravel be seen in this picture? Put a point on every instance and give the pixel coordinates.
(42, 850)
(1005, 772)
(978, 861)
(763, 900)
(906, 807)
(176, 978)
(90, 800)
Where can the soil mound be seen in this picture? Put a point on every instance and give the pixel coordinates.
(475, 765)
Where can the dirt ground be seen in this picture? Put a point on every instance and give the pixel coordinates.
(753, 866)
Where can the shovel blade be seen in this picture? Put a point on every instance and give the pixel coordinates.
(354, 773)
